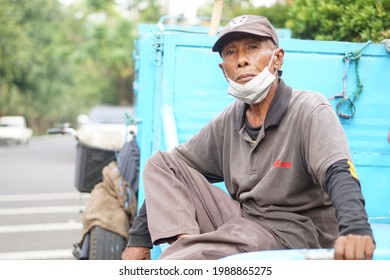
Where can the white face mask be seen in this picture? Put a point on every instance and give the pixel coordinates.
(256, 89)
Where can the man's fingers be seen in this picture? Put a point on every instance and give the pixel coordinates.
(369, 249)
(360, 248)
(350, 248)
(354, 247)
(339, 248)
(364, 247)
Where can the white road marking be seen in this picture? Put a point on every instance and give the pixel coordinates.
(41, 210)
(37, 255)
(43, 196)
(41, 227)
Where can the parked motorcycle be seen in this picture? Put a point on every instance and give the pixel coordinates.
(110, 175)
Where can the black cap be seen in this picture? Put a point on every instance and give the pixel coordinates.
(255, 25)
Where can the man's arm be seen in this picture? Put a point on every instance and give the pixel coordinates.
(140, 243)
(356, 239)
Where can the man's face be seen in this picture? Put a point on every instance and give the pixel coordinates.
(245, 57)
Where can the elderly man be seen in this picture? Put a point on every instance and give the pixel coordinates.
(282, 154)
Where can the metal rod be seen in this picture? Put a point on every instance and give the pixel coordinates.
(216, 17)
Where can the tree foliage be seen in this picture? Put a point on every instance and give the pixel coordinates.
(340, 20)
(336, 20)
(57, 61)
(28, 57)
(277, 14)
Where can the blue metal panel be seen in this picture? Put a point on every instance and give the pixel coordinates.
(144, 84)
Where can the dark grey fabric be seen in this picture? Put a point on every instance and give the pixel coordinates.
(348, 200)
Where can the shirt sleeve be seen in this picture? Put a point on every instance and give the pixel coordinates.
(343, 187)
(139, 235)
(325, 142)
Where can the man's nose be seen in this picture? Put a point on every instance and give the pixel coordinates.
(242, 60)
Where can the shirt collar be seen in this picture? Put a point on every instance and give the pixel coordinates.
(276, 111)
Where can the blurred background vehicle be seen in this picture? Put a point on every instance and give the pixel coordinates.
(13, 129)
(107, 160)
(106, 126)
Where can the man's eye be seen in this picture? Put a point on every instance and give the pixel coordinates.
(252, 47)
(229, 52)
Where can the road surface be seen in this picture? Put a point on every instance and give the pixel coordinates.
(40, 209)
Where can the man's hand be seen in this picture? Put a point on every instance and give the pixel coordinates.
(136, 253)
(354, 247)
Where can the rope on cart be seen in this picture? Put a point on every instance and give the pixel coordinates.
(346, 100)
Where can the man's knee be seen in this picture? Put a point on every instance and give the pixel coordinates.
(154, 162)
(160, 158)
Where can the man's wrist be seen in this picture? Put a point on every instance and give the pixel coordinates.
(139, 241)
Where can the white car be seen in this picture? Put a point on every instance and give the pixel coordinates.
(105, 127)
(13, 129)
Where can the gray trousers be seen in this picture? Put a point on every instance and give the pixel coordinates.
(179, 200)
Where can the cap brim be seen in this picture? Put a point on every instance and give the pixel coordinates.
(221, 41)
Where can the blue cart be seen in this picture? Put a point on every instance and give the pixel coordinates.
(176, 72)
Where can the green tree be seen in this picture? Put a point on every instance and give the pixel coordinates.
(340, 20)
(58, 61)
(147, 11)
(277, 14)
(27, 63)
(110, 43)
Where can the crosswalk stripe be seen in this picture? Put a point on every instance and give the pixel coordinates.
(37, 255)
(41, 210)
(43, 196)
(41, 227)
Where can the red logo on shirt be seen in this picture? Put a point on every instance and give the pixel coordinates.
(282, 164)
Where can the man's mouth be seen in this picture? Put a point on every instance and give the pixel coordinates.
(242, 79)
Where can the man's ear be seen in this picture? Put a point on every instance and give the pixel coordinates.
(279, 54)
(223, 70)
